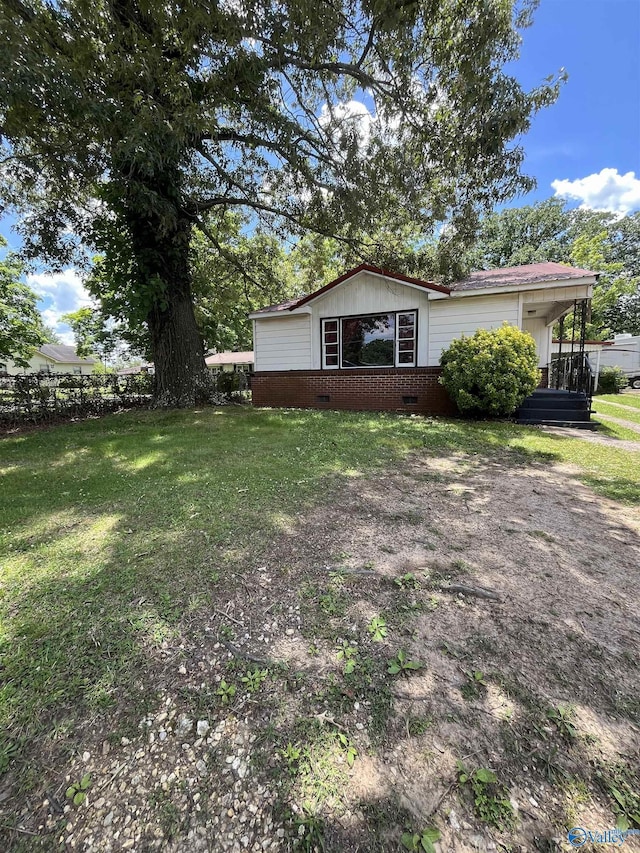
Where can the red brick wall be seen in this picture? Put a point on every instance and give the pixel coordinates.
(361, 390)
(544, 378)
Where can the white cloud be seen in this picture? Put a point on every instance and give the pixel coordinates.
(604, 190)
(347, 119)
(59, 294)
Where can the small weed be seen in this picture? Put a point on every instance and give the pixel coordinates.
(349, 748)
(333, 603)
(408, 581)
(226, 692)
(347, 653)
(377, 628)
(474, 686)
(8, 751)
(401, 665)
(227, 632)
(418, 725)
(254, 678)
(341, 556)
(309, 833)
(563, 716)
(541, 534)
(490, 798)
(621, 786)
(291, 755)
(421, 841)
(77, 792)
(337, 578)
(461, 566)
(313, 650)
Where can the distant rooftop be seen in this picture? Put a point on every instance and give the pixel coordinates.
(63, 353)
(229, 358)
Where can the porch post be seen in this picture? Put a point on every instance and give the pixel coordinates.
(573, 338)
(560, 353)
(583, 334)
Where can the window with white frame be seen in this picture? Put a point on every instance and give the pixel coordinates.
(370, 340)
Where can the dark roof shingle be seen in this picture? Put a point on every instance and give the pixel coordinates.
(525, 274)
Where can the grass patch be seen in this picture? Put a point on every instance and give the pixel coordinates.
(605, 408)
(628, 399)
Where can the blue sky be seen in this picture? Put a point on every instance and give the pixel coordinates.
(586, 147)
(595, 124)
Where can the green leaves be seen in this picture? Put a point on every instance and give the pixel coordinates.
(423, 841)
(347, 653)
(377, 628)
(77, 792)
(21, 327)
(492, 371)
(401, 665)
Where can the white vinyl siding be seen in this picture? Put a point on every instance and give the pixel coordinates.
(367, 294)
(451, 318)
(541, 333)
(283, 343)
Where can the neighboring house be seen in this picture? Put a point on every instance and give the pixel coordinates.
(52, 358)
(146, 367)
(230, 362)
(372, 339)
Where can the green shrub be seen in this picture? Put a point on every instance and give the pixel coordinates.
(228, 383)
(611, 380)
(491, 372)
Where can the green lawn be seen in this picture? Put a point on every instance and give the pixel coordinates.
(605, 407)
(626, 399)
(114, 530)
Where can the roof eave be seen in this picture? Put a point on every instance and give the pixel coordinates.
(528, 285)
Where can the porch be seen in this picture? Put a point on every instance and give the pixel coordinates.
(564, 398)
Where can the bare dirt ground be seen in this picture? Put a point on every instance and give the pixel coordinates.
(539, 684)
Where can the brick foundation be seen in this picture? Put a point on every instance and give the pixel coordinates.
(386, 389)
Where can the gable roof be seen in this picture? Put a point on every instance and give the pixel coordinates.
(524, 274)
(63, 353)
(291, 304)
(513, 277)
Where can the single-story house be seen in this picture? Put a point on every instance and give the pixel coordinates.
(372, 339)
(52, 358)
(230, 362)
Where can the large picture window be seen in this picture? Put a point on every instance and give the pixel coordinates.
(375, 340)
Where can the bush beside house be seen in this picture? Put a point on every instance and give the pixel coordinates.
(611, 380)
(491, 372)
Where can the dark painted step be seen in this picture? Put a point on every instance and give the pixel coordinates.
(557, 408)
(555, 414)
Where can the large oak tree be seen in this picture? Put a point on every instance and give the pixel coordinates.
(127, 124)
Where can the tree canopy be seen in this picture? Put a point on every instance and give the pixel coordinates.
(21, 327)
(127, 124)
(595, 240)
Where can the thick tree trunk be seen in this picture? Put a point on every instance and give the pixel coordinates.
(181, 376)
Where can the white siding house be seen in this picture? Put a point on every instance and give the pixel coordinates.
(52, 358)
(340, 345)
